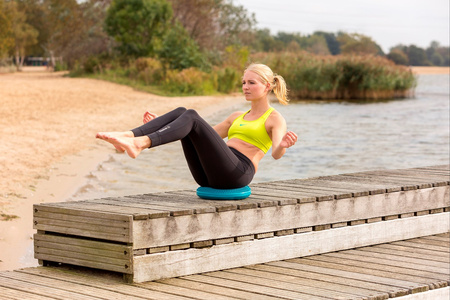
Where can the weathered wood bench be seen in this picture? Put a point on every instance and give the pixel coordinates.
(163, 235)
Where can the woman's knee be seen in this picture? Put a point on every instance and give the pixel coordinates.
(191, 113)
(180, 110)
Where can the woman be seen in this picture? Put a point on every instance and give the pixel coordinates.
(212, 161)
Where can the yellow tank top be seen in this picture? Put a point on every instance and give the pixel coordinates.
(253, 132)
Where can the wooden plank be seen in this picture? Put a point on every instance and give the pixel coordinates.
(393, 286)
(422, 246)
(393, 265)
(38, 289)
(317, 287)
(287, 289)
(82, 219)
(433, 255)
(295, 193)
(445, 244)
(100, 279)
(84, 246)
(389, 183)
(153, 210)
(122, 231)
(67, 286)
(186, 282)
(180, 291)
(83, 263)
(337, 192)
(418, 277)
(92, 207)
(95, 232)
(175, 202)
(219, 205)
(60, 209)
(9, 293)
(376, 275)
(254, 288)
(180, 263)
(374, 187)
(437, 238)
(325, 276)
(106, 263)
(399, 256)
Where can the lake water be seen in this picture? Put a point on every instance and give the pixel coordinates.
(334, 138)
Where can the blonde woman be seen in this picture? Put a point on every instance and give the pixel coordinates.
(212, 161)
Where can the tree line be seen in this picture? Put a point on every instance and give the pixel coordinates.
(180, 33)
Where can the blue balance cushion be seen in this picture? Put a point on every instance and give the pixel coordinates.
(224, 194)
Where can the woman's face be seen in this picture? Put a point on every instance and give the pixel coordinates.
(252, 87)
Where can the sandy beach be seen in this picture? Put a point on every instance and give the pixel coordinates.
(48, 124)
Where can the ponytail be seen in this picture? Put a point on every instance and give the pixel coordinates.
(280, 90)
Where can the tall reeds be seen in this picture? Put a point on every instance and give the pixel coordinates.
(340, 77)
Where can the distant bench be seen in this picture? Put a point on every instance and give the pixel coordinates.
(162, 235)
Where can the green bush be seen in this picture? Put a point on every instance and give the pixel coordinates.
(188, 82)
(227, 79)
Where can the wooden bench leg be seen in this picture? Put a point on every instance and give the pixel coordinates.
(128, 278)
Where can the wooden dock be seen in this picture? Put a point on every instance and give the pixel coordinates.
(366, 235)
(412, 269)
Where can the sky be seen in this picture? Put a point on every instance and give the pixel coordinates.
(387, 22)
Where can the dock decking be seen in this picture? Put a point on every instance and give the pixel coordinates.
(417, 268)
(366, 235)
(163, 235)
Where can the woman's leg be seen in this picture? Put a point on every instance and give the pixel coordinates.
(135, 140)
(158, 123)
(211, 162)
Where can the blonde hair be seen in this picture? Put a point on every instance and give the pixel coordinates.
(277, 83)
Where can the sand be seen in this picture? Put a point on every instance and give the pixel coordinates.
(48, 124)
(431, 70)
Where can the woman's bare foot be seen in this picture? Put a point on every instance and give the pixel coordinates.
(105, 135)
(133, 146)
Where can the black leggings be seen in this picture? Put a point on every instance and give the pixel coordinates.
(211, 162)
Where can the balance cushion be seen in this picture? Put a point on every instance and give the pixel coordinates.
(223, 194)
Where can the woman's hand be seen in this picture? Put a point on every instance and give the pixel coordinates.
(148, 116)
(289, 140)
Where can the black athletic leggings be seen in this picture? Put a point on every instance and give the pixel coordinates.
(211, 162)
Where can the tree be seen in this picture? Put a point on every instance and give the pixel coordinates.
(23, 33)
(417, 56)
(138, 25)
(398, 57)
(179, 51)
(6, 31)
(332, 42)
(357, 44)
(214, 24)
(317, 44)
(265, 42)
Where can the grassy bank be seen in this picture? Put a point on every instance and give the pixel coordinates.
(340, 77)
(308, 76)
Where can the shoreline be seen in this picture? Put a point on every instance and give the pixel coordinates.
(52, 167)
(430, 70)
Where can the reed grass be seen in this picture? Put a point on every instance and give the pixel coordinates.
(340, 77)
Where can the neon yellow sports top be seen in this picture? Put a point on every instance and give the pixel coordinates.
(253, 132)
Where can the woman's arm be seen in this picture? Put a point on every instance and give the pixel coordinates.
(223, 127)
(281, 140)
